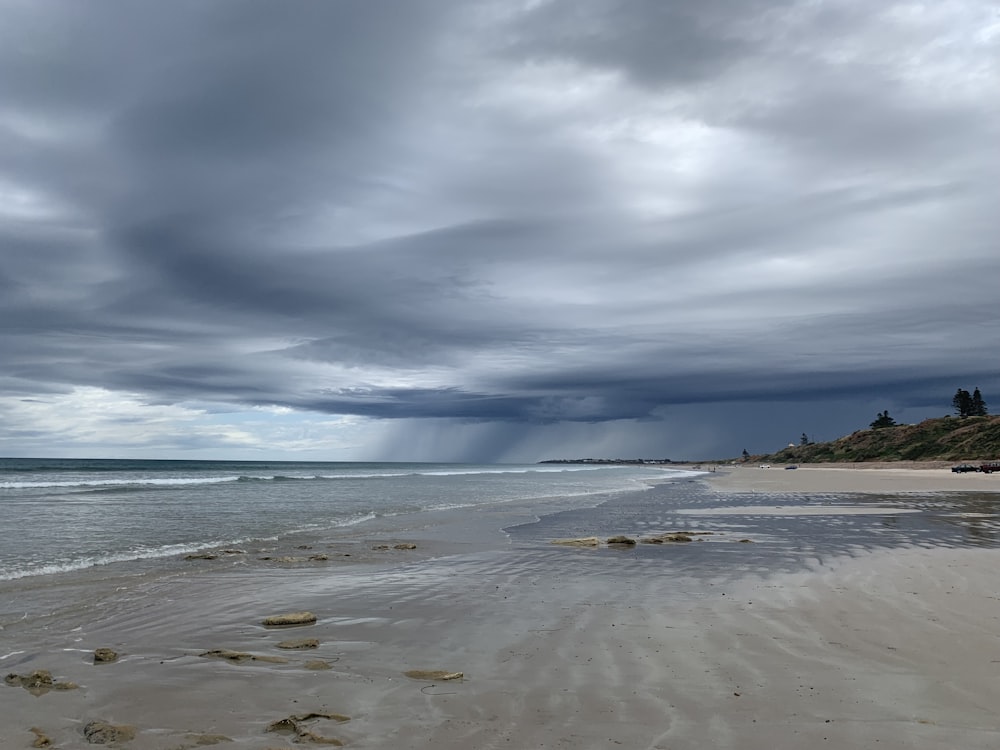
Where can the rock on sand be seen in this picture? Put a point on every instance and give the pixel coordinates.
(240, 656)
(100, 732)
(433, 674)
(38, 682)
(290, 619)
(105, 656)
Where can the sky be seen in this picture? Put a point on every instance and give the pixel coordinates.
(473, 230)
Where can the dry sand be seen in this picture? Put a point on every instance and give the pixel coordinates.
(895, 649)
(858, 478)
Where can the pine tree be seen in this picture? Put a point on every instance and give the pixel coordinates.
(977, 407)
(804, 440)
(883, 420)
(962, 403)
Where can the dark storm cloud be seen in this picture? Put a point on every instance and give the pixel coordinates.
(555, 221)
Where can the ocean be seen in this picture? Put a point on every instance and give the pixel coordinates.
(107, 517)
(64, 515)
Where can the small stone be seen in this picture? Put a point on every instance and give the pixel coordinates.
(434, 674)
(404, 545)
(101, 733)
(105, 656)
(290, 619)
(41, 739)
(224, 653)
(623, 540)
(671, 538)
(240, 656)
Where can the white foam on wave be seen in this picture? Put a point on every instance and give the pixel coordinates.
(518, 470)
(196, 480)
(164, 482)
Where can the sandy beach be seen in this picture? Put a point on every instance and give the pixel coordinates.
(852, 478)
(557, 648)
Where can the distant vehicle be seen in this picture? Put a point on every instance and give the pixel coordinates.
(963, 468)
(990, 467)
(791, 467)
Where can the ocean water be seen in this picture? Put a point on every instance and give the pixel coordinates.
(61, 516)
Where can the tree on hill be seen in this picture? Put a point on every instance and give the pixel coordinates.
(978, 406)
(966, 405)
(883, 420)
(961, 402)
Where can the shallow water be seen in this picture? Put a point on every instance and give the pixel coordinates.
(786, 531)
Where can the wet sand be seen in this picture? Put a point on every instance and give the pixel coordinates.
(892, 649)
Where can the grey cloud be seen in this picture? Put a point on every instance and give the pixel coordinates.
(362, 208)
(654, 43)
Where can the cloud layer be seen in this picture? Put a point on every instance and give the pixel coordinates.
(492, 230)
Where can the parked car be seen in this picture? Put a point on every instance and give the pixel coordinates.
(963, 468)
(990, 467)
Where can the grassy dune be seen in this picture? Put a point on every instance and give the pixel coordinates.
(943, 439)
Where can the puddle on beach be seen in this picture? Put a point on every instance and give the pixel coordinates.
(787, 531)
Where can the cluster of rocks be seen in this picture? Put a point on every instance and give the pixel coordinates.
(621, 540)
(296, 558)
(38, 682)
(214, 555)
(303, 728)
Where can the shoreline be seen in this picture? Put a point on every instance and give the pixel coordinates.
(897, 647)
